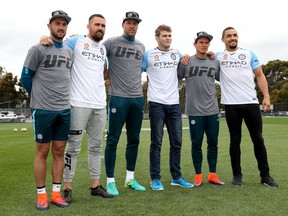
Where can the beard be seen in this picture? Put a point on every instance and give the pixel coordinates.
(98, 37)
(233, 47)
(57, 36)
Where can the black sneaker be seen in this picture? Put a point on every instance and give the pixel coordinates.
(100, 191)
(237, 180)
(269, 181)
(67, 195)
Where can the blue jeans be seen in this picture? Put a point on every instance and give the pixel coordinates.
(170, 115)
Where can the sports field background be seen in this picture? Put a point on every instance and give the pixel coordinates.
(18, 191)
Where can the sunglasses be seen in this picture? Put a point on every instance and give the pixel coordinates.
(132, 15)
(201, 33)
(59, 12)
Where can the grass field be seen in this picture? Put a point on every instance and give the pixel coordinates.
(18, 191)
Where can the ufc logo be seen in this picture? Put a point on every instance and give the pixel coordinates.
(199, 71)
(128, 53)
(57, 61)
(67, 161)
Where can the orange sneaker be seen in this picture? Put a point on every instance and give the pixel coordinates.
(42, 202)
(198, 181)
(213, 179)
(57, 200)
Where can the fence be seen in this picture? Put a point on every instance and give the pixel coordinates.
(279, 107)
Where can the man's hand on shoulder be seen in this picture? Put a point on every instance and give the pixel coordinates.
(185, 59)
(210, 55)
(46, 41)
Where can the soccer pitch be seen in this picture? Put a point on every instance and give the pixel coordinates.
(18, 190)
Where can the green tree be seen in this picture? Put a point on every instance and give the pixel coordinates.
(11, 91)
(218, 93)
(276, 73)
(1, 71)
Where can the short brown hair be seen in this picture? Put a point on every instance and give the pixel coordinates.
(162, 28)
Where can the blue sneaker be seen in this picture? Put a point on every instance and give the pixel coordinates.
(156, 185)
(133, 184)
(181, 182)
(111, 189)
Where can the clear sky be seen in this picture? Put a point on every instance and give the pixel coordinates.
(261, 25)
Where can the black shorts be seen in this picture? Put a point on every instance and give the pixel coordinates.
(51, 125)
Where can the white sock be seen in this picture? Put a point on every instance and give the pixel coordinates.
(110, 180)
(41, 190)
(129, 175)
(56, 187)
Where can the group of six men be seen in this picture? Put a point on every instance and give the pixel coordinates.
(66, 81)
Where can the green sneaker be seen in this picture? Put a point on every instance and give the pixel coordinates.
(111, 189)
(133, 184)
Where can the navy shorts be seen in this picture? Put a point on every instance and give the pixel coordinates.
(51, 125)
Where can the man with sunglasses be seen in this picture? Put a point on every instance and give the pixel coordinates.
(46, 77)
(202, 106)
(126, 102)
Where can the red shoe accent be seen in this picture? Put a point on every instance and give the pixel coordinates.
(42, 202)
(198, 181)
(213, 179)
(58, 200)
